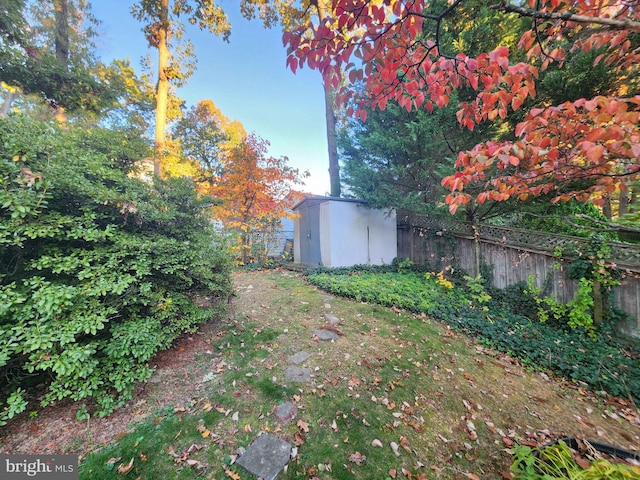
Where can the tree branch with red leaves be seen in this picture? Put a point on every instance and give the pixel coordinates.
(391, 50)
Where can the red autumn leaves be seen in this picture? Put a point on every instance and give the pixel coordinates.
(382, 47)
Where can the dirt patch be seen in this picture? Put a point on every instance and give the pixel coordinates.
(55, 430)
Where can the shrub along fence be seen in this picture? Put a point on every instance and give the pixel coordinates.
(515, 255)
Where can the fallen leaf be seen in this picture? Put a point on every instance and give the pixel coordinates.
(334, 426)
(472, 476)
(404, 443)
(124, 469)
(113, 460)
(302, 425)
(583, 462)
(394, 446)
(376, 443)
(298, 439)
(231, 474)
(195, 463)
(357, 458)
(331, 329)
(392, 473)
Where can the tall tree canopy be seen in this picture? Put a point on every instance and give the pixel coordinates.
(51, 54)
(580, 149)
(164, 32)
(207, 137)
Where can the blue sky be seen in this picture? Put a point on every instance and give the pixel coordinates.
(246, 78)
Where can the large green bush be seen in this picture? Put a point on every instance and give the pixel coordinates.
(98, 270)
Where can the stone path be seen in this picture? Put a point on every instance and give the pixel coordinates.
(268, 455)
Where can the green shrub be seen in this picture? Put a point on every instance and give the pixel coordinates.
(558, 462)
(98, 270)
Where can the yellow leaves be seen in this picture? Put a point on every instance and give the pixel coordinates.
(231, 474)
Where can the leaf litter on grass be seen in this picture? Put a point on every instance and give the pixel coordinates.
(395, 393)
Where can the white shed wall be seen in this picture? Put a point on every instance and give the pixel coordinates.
(352, 234)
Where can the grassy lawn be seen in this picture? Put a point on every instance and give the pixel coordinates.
(398, 395)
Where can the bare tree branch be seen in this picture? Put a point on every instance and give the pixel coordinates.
(568, 16)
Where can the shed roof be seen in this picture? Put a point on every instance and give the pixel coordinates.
(311, 200)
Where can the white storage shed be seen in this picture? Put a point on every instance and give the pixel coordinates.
(341, 232)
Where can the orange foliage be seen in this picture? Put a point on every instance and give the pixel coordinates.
(255, 192)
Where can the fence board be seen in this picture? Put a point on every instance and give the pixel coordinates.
(514, 257)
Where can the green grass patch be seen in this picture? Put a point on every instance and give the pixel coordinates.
(602, 363)
(398, 394)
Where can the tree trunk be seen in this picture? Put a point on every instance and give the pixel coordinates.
(334, 166)
(330, 120)
(162, 90)
(11, 95)
(633, 200)
(606, 208)
(62, 32)
(62, 43)
(623, 207)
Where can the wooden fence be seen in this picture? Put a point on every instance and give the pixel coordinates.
(514, 255)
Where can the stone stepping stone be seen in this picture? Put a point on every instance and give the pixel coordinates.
(286, 412)
(298, 358)
(297, 374)
(266, 457)
(332, 319)
(325, 335)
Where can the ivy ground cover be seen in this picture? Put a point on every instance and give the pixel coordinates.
(604, 364)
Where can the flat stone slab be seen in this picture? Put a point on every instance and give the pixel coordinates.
(297, 374)
(332, 319)
(286, 412)
(266, 457)
(325, 335)
(299, 357)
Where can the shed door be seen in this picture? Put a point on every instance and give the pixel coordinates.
(310, 236)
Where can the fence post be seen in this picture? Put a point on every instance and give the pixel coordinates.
(476, 246)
